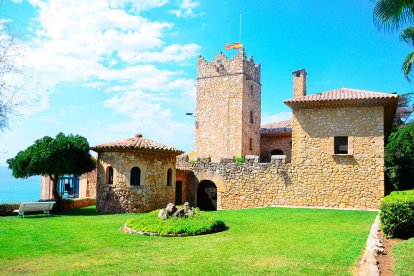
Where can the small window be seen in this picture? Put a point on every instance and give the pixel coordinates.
(276, 152)
(219, 61)
(251, 117)
(251, 89)
(251, 144)
(135, 176)
(341, 144)
(169, 177)
(297, 74)
(109, 175)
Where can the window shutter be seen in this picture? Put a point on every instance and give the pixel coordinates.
(330, 146)
(350, 145)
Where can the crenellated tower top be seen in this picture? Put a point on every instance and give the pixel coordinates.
(222, 66)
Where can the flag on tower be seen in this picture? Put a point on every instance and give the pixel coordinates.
(237, 45)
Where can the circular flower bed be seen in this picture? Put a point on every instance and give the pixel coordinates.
(150, 224)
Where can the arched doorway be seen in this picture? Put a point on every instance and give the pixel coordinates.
(207, 196)
(276, 152)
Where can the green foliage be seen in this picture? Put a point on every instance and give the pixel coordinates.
(192, 161)
(239, 160)
(402, 255)
(399, 158)
(392, 15)
(397, 214)
(202, 222)
(259, 241)
(53, 156)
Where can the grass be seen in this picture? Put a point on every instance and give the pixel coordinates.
(278, 241)
(402, 254)
(202, 222)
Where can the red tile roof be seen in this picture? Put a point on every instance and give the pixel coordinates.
(280, 124)
(136, 143)
(342, 95)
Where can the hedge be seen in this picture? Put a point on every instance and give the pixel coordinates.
(397, 214)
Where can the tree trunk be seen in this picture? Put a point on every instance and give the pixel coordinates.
(55, 192)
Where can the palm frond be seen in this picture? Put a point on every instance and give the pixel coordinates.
(407, 35)
(407, 65)
(390, 15)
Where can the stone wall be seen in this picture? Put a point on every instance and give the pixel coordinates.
(227, 91)
(153, 192)
(316, 176)
(270, 142)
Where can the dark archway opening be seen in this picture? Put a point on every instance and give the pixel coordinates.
(276, 152)
(207, 196)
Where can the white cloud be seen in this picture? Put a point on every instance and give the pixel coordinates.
(112, 47)
(271, 118)
(186, 9)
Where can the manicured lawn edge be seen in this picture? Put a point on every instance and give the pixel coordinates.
(128, 230)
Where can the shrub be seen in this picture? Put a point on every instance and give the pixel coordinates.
(397, 214)
(239, 160)
(202, 222)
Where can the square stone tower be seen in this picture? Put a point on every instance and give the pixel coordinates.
(228, 107)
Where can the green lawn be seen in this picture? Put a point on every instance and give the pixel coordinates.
(258, 241)
(403, 255)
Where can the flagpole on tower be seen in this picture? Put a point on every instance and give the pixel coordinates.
(240, 33)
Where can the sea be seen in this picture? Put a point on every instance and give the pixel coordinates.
(18, 189)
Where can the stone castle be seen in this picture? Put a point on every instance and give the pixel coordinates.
(330, 154)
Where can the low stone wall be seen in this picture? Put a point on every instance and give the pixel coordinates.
(76, 203)
(6, 209)
(278, 183)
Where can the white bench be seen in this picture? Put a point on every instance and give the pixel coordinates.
(26, 207)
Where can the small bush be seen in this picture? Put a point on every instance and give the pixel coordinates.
(192, 161)
(202, 222)
(239, 160)
(397, 214)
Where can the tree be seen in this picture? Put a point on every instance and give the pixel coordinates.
(405, 109)
(399, 159)
(53, 157)
(10, 52)
(393, 15)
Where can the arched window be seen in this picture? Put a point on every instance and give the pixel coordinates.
(251, 117)
(277, 152)
(169, 177)
(135, 176)
(109, 175)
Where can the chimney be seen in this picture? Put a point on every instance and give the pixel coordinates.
(299, 83)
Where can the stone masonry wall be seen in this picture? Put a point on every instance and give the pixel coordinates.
(269, 143)
(316, 177)
(223, 105)
(153, 193)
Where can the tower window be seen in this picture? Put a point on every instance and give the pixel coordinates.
(251, 117)
(341, 144)
(109, 175)
(251, 89)
(169, 177)
(219, 61)
(135, 176)
(251, 144)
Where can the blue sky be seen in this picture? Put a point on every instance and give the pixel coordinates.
(110, 69)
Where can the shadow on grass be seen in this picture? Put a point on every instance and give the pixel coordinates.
(87, 211)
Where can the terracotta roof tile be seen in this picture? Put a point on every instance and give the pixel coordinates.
(136, 143)
(277, 127)
(342, 95)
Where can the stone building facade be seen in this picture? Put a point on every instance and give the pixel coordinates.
(330, 154)
(228, 107)
(135, 175)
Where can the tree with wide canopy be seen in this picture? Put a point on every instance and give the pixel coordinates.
(54, 157)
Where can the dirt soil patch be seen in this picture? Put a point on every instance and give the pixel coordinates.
(385, 261)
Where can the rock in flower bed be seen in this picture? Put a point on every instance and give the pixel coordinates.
(196, 223)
